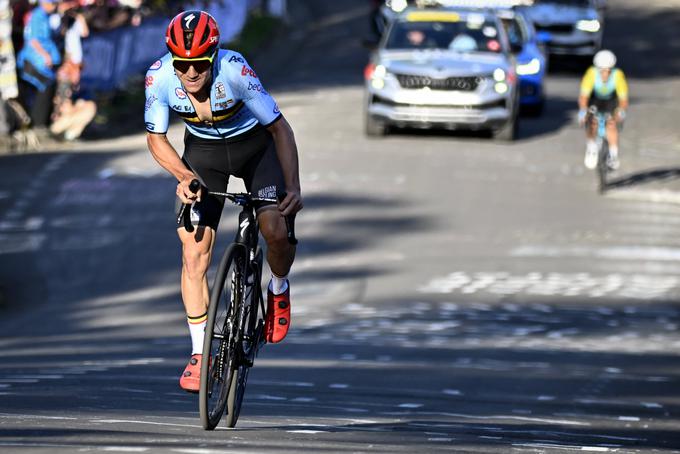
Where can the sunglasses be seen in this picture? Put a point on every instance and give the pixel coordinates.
(200, 65)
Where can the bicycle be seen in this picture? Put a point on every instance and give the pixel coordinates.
(234, 332)
(602, 145)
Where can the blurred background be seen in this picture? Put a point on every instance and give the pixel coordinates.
(457, 288)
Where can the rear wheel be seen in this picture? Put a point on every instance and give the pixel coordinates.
(252, 327)
(220, 349)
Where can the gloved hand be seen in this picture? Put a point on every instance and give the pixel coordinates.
(582, 117)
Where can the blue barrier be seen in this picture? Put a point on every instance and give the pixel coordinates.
(110, 58)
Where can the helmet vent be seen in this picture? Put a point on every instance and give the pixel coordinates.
(188, 39)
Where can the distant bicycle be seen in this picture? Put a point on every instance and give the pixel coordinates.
(602, 145)
(234, 332)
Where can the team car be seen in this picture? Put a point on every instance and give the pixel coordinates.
(575, 26)
(528, 45)
(443, 68)
(531, 57)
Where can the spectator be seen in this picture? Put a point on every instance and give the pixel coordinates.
(36, 61)
(72, 113)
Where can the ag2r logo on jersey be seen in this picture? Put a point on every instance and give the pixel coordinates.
(180, 93)
(245, 71)
(236, 59)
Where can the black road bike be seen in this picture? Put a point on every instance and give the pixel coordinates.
(234, 332)
(602, 146)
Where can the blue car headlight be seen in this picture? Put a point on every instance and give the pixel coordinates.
(592, 25)
(532, 67)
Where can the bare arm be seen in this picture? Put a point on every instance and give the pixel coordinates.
(166, 155)
(286, 150)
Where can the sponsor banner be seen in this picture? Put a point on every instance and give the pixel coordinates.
(110, 58)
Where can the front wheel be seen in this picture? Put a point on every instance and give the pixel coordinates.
(220, 352)
(602, 168)
(508, 132)
(252, 328)
(375, 127)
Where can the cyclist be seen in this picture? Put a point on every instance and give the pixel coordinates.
(603, 86)
(233, 127)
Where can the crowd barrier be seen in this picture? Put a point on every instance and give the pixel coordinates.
(110, 58)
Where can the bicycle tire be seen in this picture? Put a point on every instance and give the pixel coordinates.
(250, 338)
(219, 346)
(602, 166)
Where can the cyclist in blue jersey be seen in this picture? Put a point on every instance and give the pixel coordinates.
(233, 127)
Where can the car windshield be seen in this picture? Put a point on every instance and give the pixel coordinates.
(474, 35)
(582, 3)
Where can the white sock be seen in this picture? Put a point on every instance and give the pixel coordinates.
(614, 152)
(591, 144)
(278, 285)
(197, 331)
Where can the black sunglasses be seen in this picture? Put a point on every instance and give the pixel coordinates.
(200, 66)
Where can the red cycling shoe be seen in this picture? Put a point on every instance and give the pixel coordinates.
(191, 377)
(278, 316)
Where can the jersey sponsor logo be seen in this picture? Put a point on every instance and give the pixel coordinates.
(178, 108)
(256, 87)
(150, 126)
(148, 81)
(236, 59)
(276, 109)
(180, 93)
(224, 105)
(149, 102)
(156, 65)
(245, 71)
(220, 92)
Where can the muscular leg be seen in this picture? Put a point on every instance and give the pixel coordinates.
(196, 254)
(591, 129)
(612, 134)
(280, 253)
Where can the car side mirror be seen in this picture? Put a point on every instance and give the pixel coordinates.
(543, 37)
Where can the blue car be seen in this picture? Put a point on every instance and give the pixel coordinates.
(531, 56)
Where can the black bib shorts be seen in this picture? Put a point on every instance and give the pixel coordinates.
(250, 156)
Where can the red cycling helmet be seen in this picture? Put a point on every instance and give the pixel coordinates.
(192, 35)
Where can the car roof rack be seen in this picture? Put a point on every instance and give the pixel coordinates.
(473, 3)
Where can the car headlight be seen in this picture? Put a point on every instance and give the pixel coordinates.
(501, 88)
(498, 75)
(591, 26)
(533, 67)
(379, 72)
(397, 5)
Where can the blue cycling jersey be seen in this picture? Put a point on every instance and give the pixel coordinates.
(237, 99)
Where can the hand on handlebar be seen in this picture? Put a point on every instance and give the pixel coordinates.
(620, 115)
(291, 204)
(189, 190)
(582, 117)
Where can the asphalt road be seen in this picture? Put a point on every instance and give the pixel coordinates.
(451, 294)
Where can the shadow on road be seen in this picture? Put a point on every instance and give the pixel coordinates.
(646, 176)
